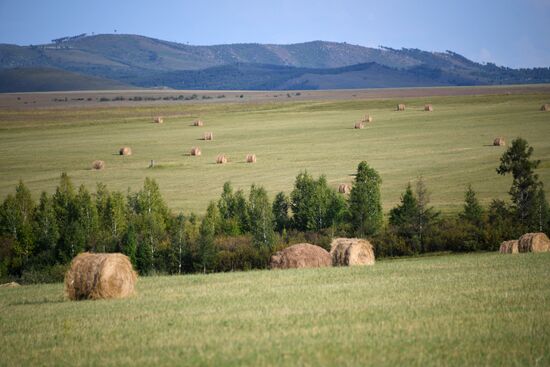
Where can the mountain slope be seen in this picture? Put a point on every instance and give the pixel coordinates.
(48, 79)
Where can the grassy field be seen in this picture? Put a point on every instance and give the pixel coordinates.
(452, 310)
(449, 147)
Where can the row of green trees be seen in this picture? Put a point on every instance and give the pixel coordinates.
(241, 231)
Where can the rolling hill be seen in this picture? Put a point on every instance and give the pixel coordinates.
(148, 62)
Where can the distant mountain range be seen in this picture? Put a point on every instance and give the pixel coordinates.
(126, 61)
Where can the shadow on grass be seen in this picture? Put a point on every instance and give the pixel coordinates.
(34, 302)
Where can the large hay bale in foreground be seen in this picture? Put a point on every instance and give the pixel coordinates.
(351, 251)
(208, 136)
(125, 151)
(428, 108)
(359, 125)
(198, 122)
(158, 120)
(534, 242)
(302, 255)
(509, 247)
(196, 151)
(545, 107)
(100, 276)
(251, 158)
(344, 188)
(221, 159)
(400, 107)
(98, 165)
(499, 142)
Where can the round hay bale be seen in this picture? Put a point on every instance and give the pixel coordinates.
(344, 188)
(359, 125)
(367, 118)
(208, 136)
(198, 122)
(251, 158)
(351, 251)
(509, 247)
(534, 242)
(499, 142)
(428, 108)
(98, 165)
(302, 255)
(10, 285)
(400, 107)
(221, 159)
(196, 151)
(545, 107)
(100, 276)
(125, 151)
(158, 120)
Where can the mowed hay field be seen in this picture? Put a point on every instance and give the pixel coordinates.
(450, 147)
(453, 310)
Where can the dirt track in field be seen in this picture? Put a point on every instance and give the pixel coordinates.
(96, 99)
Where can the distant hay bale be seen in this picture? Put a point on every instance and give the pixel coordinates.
(344, 188)
(400, 107)
(10, 285)
(359, 125)
(158, 120)
(98, 165)
(428, 108)
(251, 158)
(100, 276)
(221, 159)
(125, 151)
(509, 247)
(208, 136)
(196, 151)
(302, 255)
(499, 142)
(367, 118)
(351, 251)
(198, 122)
(534, 242)
(545, 107)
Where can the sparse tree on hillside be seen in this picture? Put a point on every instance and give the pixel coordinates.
(473, 212)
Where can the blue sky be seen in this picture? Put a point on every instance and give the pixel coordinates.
(513, 33)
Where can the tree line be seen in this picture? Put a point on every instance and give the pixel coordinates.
(241, 230)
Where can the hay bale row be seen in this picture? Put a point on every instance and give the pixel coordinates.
(529, 242)
(428, 108)
(545, 107)
(351, 251)
(400, 107)
(196, 151)
(221, 159)
(100, 276)
(198, 122)
(499, 142)
(125, 151)
(208, 136)
(343, 252)
(344, 188)
(98, 165)
(509, 247)
(359, 125)
(158, 120)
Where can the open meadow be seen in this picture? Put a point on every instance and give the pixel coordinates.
(451, 310)
(450, 147)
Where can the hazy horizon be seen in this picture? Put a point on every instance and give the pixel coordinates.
(509, 33)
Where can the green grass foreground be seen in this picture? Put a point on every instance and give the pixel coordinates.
(450, 147)
(457, 310)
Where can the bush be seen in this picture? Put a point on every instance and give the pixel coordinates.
(51, 274)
